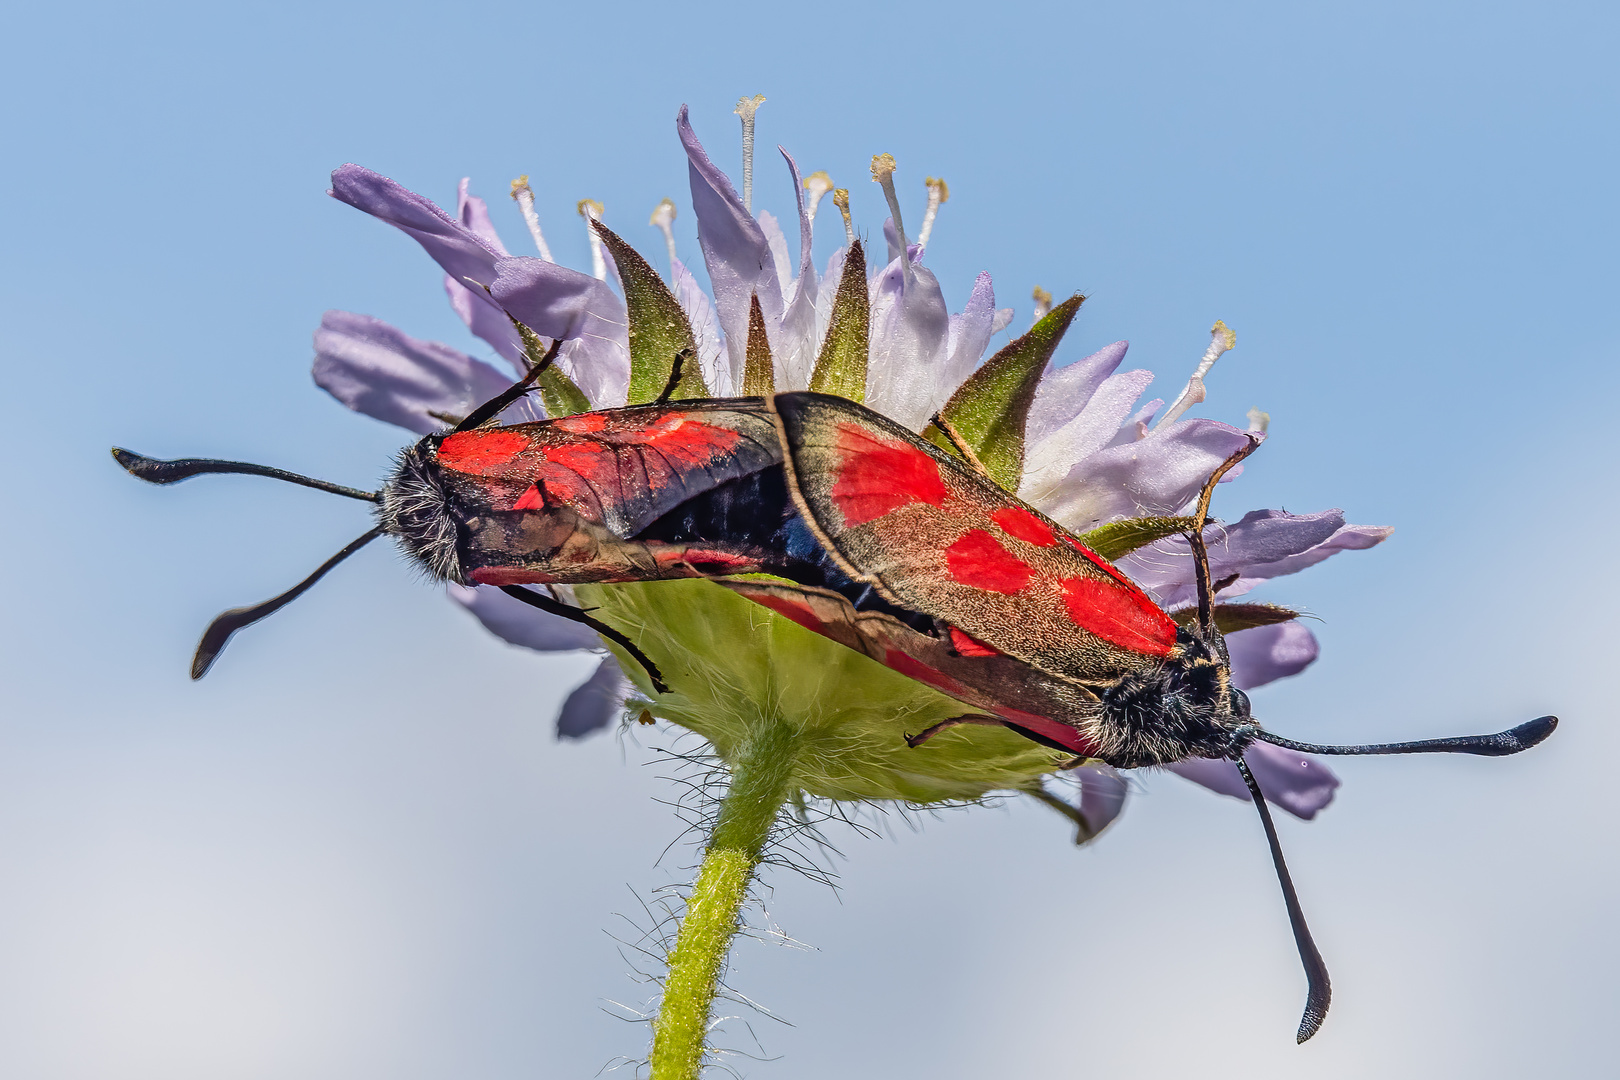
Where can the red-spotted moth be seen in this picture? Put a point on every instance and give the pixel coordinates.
(876, 537)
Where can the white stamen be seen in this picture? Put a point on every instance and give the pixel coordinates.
(524, 196)
(1043, 304)
(938, 193)
(746, 108)
(841, 200)
(1220, 340)
(817, 184)
(883, 167)
(663, 216)
(1259, 421)
(591, 210)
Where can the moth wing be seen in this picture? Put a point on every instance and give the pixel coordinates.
(620, 468)
(1023, 697)
(934, 535)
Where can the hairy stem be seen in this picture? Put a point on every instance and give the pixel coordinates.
(760, 777)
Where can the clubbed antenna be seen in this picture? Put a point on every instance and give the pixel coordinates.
(220, 630)
(1319, 990)
(1503, 743)
(154, 471)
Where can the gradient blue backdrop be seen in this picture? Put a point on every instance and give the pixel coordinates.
(355, 850)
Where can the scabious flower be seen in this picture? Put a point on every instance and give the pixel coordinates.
(1092, 453)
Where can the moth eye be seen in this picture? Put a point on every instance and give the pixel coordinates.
(1239, 702)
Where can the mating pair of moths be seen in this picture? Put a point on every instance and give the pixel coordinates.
(874, 536)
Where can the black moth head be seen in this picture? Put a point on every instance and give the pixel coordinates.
(415, 510)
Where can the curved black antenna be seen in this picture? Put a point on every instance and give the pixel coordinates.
(1319, 989)
(220, 630)
(154, 471)
(497, 404)
(1511, 741)
(574, 614)
(1195, 537)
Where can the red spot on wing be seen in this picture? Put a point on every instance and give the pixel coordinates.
(1017, 522)
(875, 476)
(798, 611)
(968, 645)
(912, 668)
(1059, 732)
(575, 471)
(481, 453)
(979, 560)
(1121, 614)
(684, 440)
(509, 575)
(530, 500)
(581, 423)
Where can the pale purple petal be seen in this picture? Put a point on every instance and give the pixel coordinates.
(376, 369)
(1064, 391)
(1298, 783)
(516, 622)
(461, 252)
(1264, 654)
(705, 331)
(557, 302)
(797, 340)
(1102, 795)
(776, 241)
(1156, 475)
(735, 250)
(909, 327)
(483, 318)
(968, 336)
(596, 703)
(1048, 461)
(473, 213)
(465, 255)
(1138, 426)
(1264, 544)
(891, 236)
(1003, 319)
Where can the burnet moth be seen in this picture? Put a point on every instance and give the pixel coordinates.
(877, 538)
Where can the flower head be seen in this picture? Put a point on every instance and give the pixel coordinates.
(1074, 440)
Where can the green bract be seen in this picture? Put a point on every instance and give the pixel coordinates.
(734, 667)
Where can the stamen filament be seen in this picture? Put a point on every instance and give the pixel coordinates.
(591, 210)
(841, 200)
(663, 216)
(523, 195)
(1221, 340)
(816, 185)
(746, 108)
(938, 194)
(883, 167)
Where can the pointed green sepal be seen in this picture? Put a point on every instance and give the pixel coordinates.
(1230, 618)
(1119, 538)
(990, 409)
(658, 327)
(841, 367)
(557, 391)
(759, 374)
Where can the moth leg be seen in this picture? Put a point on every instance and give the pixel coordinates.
(949, 431)
(917, 740)
(1082, 828)
(675, 369)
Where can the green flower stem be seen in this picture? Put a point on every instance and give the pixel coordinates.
(761, 775)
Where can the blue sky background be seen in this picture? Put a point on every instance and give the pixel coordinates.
(355, 850)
